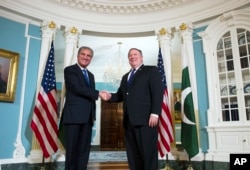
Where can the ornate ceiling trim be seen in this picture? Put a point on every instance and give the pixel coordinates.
(146, 20)
(123, 6)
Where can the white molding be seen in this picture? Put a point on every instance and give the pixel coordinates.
(123, 7)
(19, 151)
(183, 156)
(217, 157)
(12, 161)
(18, 18)
(121, 23)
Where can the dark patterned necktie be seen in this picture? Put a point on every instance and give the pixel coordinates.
(131, 76)
(85, 73)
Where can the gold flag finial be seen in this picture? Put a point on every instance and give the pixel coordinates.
(52, 25)
(162, 31)
(183, 26)
(73, 30)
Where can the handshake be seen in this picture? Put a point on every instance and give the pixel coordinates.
(104, 95)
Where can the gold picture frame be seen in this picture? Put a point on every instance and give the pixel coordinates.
(9, 62)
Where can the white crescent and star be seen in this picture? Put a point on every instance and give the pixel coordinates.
(184, 94)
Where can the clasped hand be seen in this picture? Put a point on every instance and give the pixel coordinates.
(105, 95)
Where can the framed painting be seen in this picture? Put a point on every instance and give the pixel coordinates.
(8, 75)
(177, 105)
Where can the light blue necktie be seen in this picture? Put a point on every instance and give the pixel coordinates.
(85, 73)
(131, 76)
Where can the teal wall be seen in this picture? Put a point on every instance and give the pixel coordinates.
(105, 86)
(31, 83)
(14, 37)
(25, 39)
(202, 94)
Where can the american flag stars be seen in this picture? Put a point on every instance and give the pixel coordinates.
(49, 79)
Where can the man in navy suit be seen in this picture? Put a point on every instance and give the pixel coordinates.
(141, 92)
(79, 110)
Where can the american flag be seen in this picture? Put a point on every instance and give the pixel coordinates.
(165, 131)
(44, 120)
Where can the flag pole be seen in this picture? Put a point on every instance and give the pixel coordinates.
(167, 166)
(190, 167)
(43, 164)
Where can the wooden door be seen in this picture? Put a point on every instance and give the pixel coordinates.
(111, 126)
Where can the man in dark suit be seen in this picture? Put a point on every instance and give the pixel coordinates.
(79, 110)
(141, 92)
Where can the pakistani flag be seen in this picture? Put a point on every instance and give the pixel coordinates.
(189, 138)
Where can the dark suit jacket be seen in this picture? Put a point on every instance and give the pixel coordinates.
(80, 98)
(143, 97)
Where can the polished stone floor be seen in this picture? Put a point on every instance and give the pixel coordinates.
(108, 156)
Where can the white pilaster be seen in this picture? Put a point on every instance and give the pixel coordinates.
(71, 39)
(19, 151)
(165, 44)
(165, 39)
(187, 41)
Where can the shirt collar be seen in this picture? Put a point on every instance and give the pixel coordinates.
(81, 67)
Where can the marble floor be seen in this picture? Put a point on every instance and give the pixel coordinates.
(108, 156)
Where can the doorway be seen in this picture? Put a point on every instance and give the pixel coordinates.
(112, 132)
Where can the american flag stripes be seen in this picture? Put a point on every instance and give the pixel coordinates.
(165, 131)
(44, 120)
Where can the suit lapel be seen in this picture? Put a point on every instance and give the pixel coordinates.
(136, 74)
(91, 79)
(79, 71)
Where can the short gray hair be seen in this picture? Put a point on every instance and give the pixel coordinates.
(86, 48)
